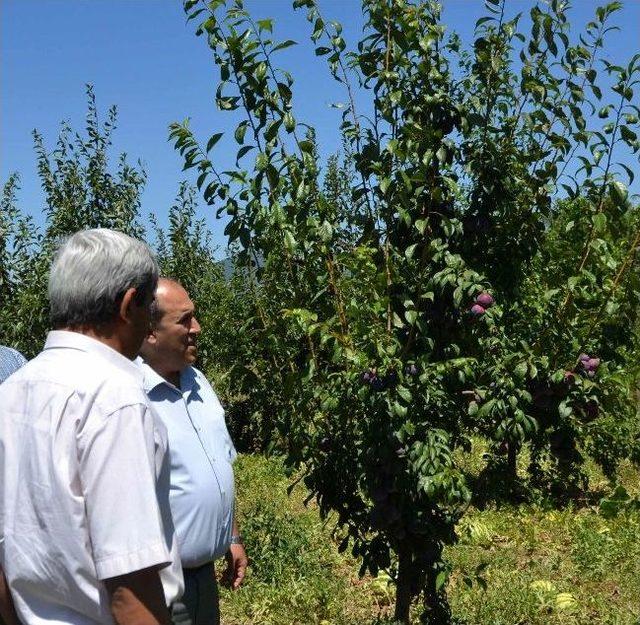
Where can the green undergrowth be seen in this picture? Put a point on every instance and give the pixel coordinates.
(526, 565)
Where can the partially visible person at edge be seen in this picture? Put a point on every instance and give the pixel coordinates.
(10, 361)
(202, 483)
(84, 538)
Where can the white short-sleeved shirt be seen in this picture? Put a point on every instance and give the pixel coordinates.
(82, 461)
(202, 489)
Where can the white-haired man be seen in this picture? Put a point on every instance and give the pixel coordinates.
(85, 535)
(202, 484)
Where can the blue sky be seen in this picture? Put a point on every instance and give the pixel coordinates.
(143, 57)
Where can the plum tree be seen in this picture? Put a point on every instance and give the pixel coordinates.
(374, 312)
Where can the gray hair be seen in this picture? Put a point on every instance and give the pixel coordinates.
(92, 271)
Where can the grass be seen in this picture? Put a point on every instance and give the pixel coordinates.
(296, 574)
(543, 566)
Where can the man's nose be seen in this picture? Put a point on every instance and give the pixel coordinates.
(195, 326)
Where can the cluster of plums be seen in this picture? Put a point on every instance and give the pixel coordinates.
(381, 382)
(482, 302)
(376, 382)
(588, 365)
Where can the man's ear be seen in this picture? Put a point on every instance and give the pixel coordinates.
(127, 303)
(151, 336)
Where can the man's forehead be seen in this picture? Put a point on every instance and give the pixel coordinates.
(171, 295)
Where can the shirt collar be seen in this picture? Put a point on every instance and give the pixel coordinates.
(65, 339)
(153, 379)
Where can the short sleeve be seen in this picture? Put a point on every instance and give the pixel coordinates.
(117, 471)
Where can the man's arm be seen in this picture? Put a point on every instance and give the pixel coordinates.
(125, 525)
(138, 599)
(237, 561)
(7, 609)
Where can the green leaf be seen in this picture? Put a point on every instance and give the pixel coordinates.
(262, 160)
(405, 393)
(572, 282)
(242, 151)
(289, 122)
(520, 370)
(410, 251)
(271, 131)
(272, 176)
(306, 146)
(411, 316)
(266, 24)
(629, 172)
(600, 222)
(399, 409)
(290, 241)
(213, 140)
(627, 134)
(618, 193)
(420, 225)
(285, 44)
(325, 231)
(240, 132)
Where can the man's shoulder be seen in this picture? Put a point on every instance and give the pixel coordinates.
(86, 374)
(9, 353)
(10, 361)
(196, 374)
(78, 385)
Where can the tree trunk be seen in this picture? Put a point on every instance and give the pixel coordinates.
(403, 586)
(436, 606)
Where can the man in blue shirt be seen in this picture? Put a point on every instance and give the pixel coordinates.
(202, 484)
(10, 361)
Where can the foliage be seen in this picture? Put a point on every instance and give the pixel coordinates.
(422, 293)
(185, 253)
(541, 565)
(220, 294)
(295, 574)
(80, 192)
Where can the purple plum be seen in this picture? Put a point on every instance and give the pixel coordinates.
(485, 300)
(391, 379)
(592, 364)
(589, 365)
(411, 370)
(477, 310)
